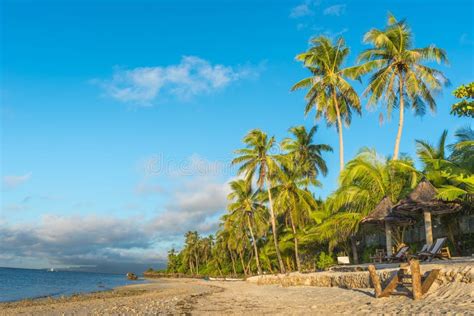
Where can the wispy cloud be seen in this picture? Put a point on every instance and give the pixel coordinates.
(301, 10)
(337, 10)
(306, 8)
(192, 76)
(466, 40)
(14, 181)
(333, 34)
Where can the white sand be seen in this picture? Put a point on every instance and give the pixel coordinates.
(180, 296)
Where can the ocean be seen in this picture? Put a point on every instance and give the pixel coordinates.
(17, 284)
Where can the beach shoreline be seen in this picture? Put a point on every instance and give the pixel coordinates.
(192, 296)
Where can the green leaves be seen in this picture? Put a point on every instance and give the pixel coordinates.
(465, 107)
(396, 66)
(324, 59)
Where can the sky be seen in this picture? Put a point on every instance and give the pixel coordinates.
(119, 118)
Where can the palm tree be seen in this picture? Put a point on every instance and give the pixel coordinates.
(453, 175)
(247, 206)
(296, 202)
(328, 91)
(433, 158)
(399, 74)
(191, 252)
(256, 159)
(305, 153)
(463, 150)
(227, 239)
(365, 181)
(450, 175)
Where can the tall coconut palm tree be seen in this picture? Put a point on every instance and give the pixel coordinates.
(296, 202)
(257, 160)
(305, 153)
(329, 93)
(246, 205)
(399, 76)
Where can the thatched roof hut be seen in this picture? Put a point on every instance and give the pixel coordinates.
(423, 198)
(383, 213)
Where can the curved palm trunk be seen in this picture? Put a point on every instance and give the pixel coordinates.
(396, 150)
(233, 262)
(297, 256)
(274, 231)
(242, 263)
(354, 250)
(197, 264)
(191, 266)
(254, 243)
(339, 131)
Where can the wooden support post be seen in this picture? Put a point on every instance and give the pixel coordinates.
(428, 228)
(375, 280)
(391, 286)
(388, 238)
(429, 280)
(416, 279)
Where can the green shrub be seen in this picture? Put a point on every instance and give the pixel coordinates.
(324, 261)
(370, 251)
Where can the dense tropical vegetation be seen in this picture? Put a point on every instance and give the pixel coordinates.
(274, 220)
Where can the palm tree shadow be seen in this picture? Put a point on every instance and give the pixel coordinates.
(366, 292)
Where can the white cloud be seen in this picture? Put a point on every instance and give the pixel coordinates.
(192, 76)
(301, 10)
(76, 240)
(11, 182)
(307, 8)
(196, 206)
(111, 243)
(337, 10)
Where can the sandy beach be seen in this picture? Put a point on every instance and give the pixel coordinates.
(199, 297)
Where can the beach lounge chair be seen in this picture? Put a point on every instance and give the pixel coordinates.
(400, 256)
(424, 249)
(434, 252)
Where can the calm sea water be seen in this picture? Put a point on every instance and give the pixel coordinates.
(17, 284)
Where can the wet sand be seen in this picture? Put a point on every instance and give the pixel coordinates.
(199, 297)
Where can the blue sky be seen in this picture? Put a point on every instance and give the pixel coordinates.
(126, 113)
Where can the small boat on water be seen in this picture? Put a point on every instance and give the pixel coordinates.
(52, 270)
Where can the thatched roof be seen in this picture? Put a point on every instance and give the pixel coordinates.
(383, 213)
(422, 198)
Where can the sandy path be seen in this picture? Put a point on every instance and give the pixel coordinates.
(186, 296)
(245, 298)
